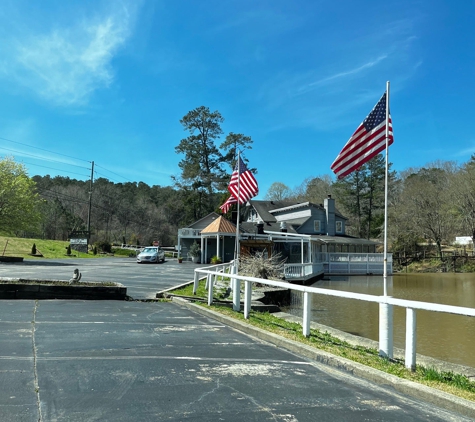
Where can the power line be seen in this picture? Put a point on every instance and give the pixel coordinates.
(42, 149)
(125, 178)
(51, 168)
(43, 158)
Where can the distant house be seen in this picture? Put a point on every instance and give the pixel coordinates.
(303, 233)
(323, 222)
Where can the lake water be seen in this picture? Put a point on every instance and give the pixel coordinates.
(443, 336)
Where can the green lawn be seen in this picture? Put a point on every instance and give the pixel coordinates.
(15, 246)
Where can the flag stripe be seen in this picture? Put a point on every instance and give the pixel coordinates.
(227, 205)
(368, 140)
(243, 184)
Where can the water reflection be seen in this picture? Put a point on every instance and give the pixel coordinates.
(442, 336)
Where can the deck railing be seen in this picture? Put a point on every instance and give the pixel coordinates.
(302, 271)
(384, 301)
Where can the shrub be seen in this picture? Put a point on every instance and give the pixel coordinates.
(260, 265)
(216, 260)
(195, 250)
(103, 246)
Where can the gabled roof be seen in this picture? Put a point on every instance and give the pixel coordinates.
(263, 208)
(220, 225)
(210, 217)
(296, 206)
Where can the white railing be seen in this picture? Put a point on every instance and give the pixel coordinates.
(189, 232)
(384, 301)
(354, 263)
(302, 271)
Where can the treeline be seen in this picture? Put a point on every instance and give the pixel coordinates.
(132, 213)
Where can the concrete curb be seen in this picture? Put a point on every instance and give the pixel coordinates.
(409, 388)
(33, 289)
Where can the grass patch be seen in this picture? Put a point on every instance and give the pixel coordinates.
(448, 382)
(50, 249)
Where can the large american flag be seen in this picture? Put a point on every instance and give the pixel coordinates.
(243, 184)
(367, 141)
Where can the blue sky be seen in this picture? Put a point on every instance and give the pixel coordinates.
(108, 81)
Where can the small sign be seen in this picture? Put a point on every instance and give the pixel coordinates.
(78, 241)
(156, 243)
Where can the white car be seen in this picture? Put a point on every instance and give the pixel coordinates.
(151, 254)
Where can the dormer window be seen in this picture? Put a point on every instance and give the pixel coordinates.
(317, 226)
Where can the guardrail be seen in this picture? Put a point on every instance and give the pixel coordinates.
(384, 301)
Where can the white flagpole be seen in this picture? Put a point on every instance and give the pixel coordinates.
(236, 252)
(386, 310)
(385, 257)
(236, 284)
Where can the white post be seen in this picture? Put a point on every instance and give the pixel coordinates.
(411, 339)
(386, 330)
(210, 289)
(307, 312)
(247, 298)
(196, 281)
(236, 287)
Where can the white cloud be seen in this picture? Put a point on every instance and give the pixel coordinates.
(66, 65)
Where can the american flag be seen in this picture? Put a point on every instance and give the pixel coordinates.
(243, 184)
(229, 202)
(367, 141)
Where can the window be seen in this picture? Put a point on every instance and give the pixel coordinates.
(316, 226)
(339, 227)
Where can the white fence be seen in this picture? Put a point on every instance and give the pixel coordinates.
(302, 271)
(355, 263)
(384, 302)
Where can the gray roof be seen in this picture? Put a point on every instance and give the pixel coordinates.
(263, 208)
(266, 208)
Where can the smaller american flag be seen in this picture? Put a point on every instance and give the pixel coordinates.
(368, 141)
(243, 184)
(229, 202)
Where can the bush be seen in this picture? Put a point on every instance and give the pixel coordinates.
(216, 260)
(259, 265)
(33, 249)
(195, 250)
(104, 246)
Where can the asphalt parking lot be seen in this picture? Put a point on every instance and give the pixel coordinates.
(75, 360)
(143, 281)
(157, 361)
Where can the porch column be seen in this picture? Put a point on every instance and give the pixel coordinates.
(217, 246)
(202, 248)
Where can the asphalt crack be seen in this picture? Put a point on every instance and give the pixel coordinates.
(35, 360)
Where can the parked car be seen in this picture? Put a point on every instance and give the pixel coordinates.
(151, 254)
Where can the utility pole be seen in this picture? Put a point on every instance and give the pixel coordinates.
(90, 204)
